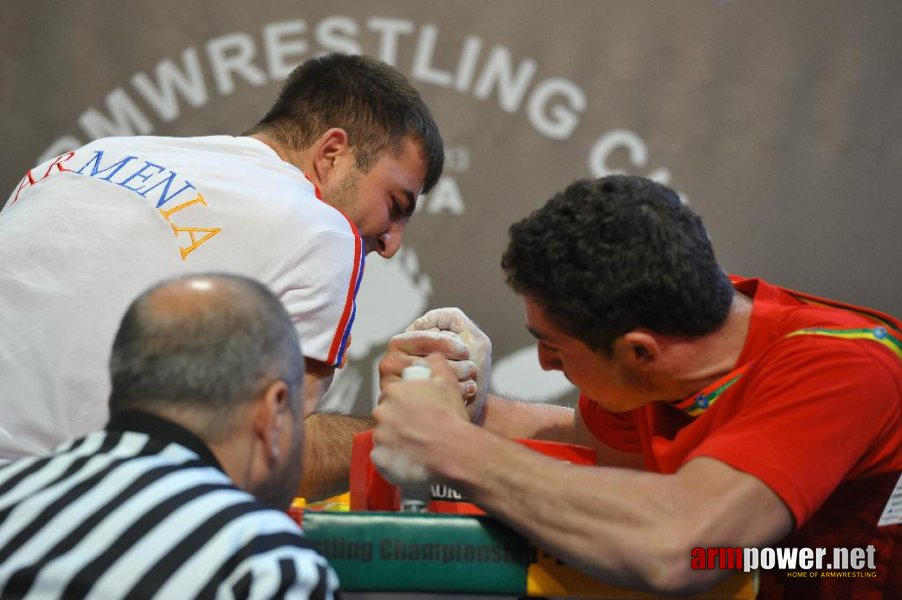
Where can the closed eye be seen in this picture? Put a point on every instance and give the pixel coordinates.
(407, 208)
(548, 346)
(397, 209)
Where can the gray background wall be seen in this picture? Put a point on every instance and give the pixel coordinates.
(779, 122)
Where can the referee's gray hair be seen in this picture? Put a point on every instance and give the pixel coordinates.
(206, 362)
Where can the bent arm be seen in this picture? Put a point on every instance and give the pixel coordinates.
(621, 525)
(513, 419)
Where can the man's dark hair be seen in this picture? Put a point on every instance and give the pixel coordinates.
(607, 256)
(372, 101)
(208, 358)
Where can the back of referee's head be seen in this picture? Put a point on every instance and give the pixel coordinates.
(199, 349)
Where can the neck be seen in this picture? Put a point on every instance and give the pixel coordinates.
(235, 456)
(698, 362)
(293, 157)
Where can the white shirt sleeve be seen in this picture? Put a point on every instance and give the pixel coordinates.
(320, 293)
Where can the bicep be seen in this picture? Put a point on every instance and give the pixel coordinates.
(729, 507)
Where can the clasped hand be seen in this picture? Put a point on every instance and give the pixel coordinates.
(413, 421)
(449, 332)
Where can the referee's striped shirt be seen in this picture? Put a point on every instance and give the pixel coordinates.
(143, 510)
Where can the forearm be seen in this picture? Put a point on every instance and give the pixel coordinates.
(514, 419)
(568, 510)
(623, 526)
(327, 453)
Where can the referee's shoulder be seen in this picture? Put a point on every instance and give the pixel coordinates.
(277, 549)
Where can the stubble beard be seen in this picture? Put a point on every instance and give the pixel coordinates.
(346, 195)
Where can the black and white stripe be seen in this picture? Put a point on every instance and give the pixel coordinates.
(120, 514)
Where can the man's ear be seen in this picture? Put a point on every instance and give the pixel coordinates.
(332, 155)
(638, 349)
(273, 410)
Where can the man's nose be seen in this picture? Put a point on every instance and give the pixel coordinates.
(388, 244)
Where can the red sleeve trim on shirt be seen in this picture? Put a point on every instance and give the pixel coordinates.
(343, 332)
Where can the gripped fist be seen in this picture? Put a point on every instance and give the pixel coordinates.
(447, 331)
(411, 420)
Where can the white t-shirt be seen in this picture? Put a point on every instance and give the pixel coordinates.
(81, 236)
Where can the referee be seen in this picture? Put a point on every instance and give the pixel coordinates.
(183, 494)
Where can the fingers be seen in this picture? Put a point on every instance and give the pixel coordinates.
(465, 373)
(447, 331)
(422, 343)
(441, 392)
(453, 321)
(410, 419)
(405, 348)
(460, 372)
(448, 318)
(467, 389)
(441, 369)
(464, 370)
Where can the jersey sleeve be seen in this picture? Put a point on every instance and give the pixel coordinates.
(813, 413)
(319, 291)
(617, 430)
